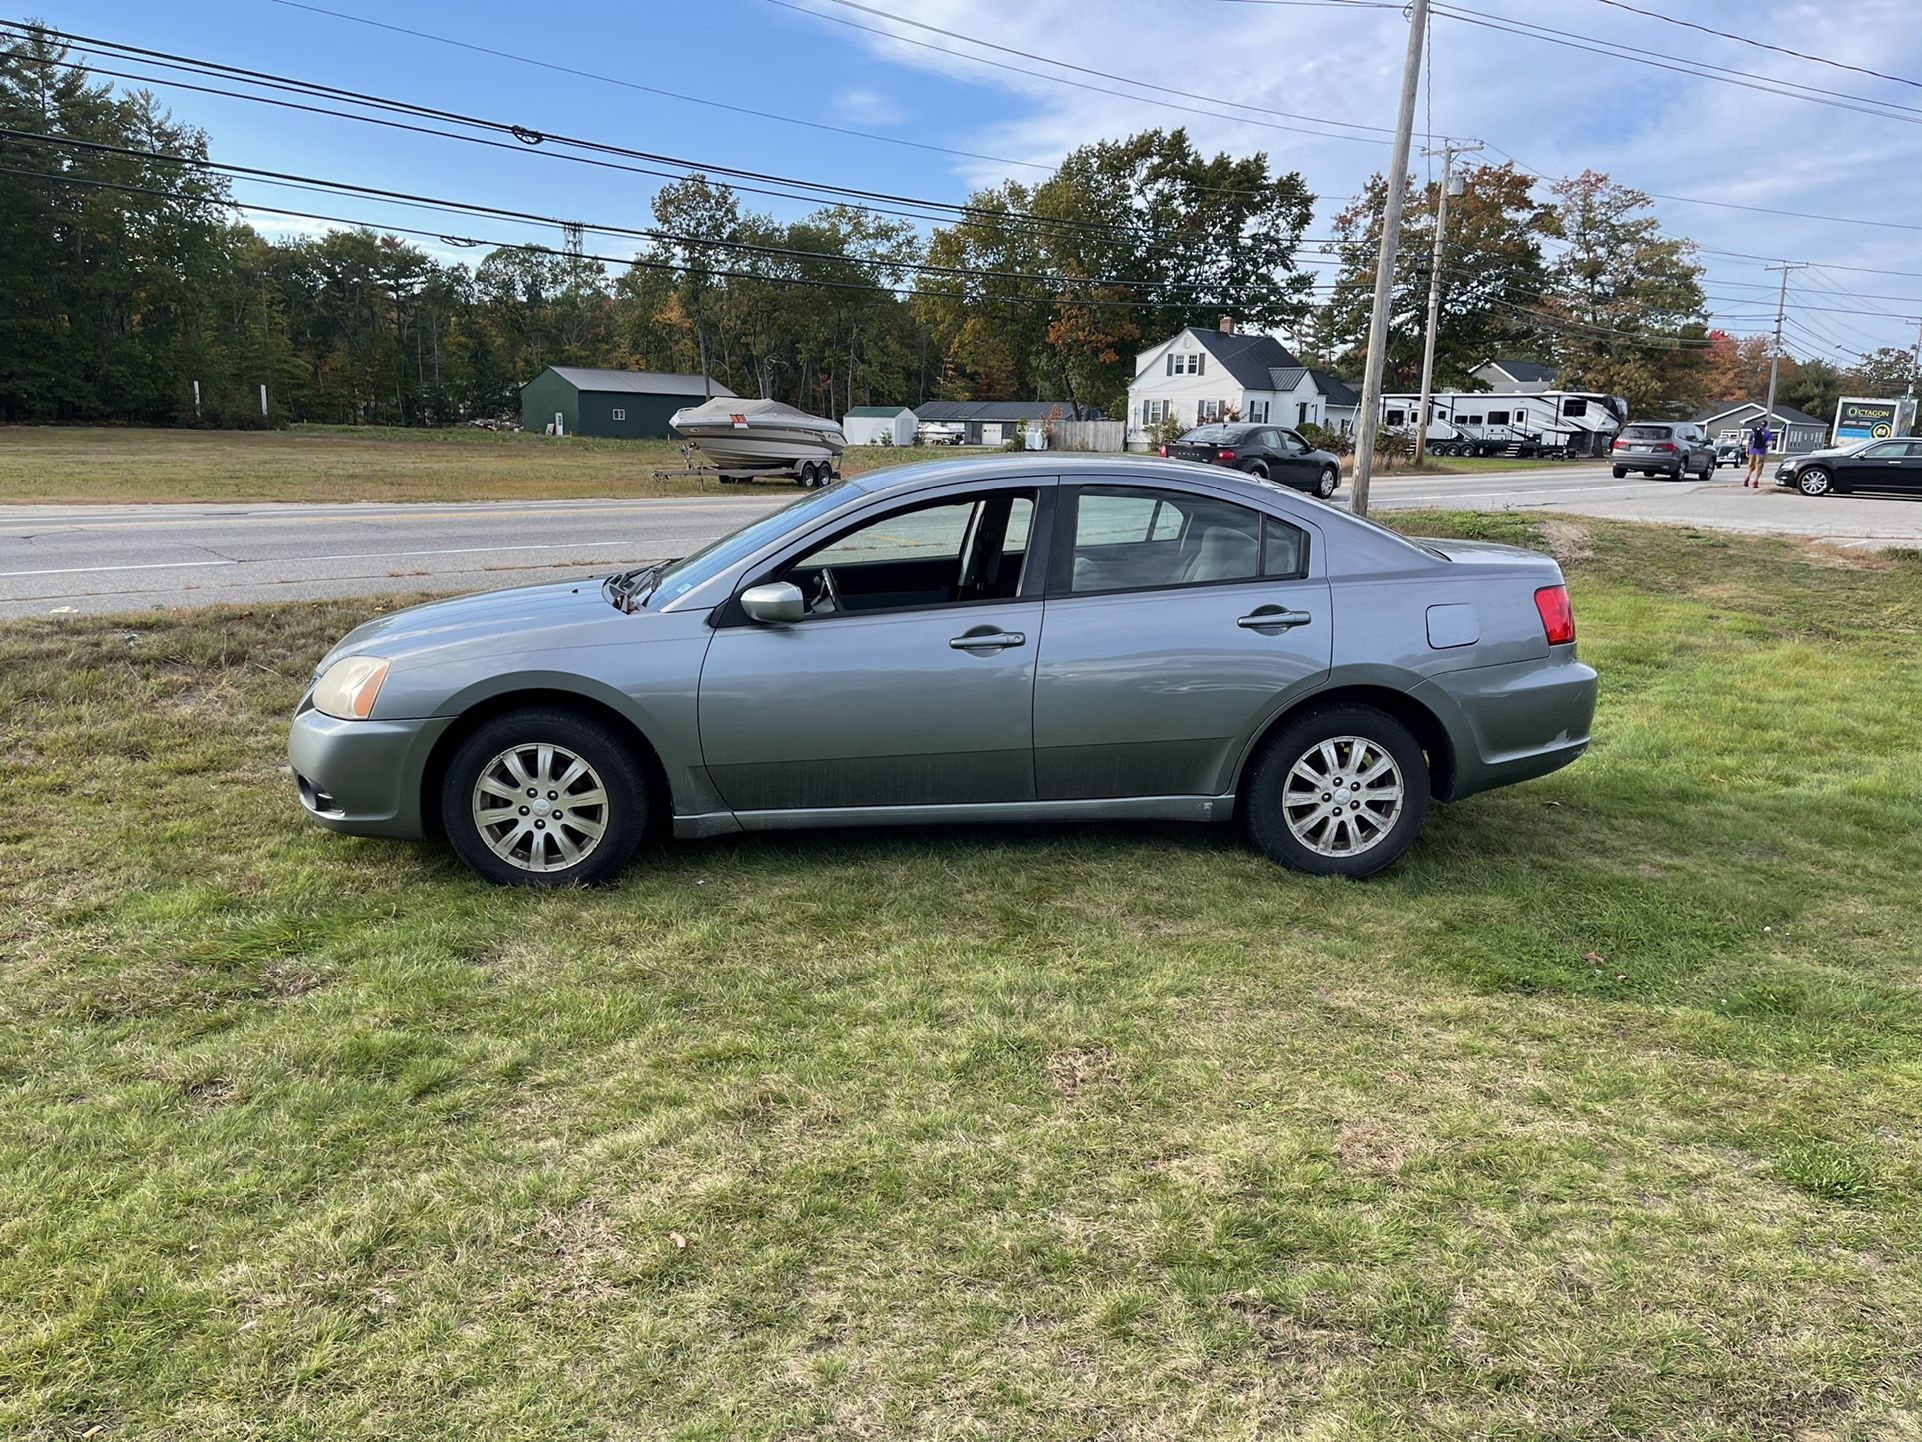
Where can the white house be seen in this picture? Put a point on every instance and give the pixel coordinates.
(880, 426)
(1205, 375)
(1515, 377)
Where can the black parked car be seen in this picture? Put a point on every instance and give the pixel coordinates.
(1266, 451)
(1891, 465)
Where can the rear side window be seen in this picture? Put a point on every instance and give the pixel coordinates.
(1649, 433)
(1127, 540)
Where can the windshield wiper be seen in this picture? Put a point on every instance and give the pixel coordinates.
(630, 589)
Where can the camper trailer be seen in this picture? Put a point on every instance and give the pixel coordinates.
(1488, 423)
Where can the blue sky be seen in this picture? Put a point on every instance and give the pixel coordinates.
(1556, 109)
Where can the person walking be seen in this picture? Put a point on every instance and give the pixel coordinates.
(1759, 441)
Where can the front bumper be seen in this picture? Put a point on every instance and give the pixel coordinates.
(1516, 722)
(363, 777)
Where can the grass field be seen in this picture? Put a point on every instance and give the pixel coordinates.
(82, 465)
(1599, 1117)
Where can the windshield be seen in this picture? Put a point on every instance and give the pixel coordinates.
(1214, 435)
(717, 556)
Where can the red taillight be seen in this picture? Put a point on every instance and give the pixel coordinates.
(1558, 617)
(1224, 454)
(1666, 446)
(1619, 443)
(1164, 453)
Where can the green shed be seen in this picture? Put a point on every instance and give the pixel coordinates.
(592, 402)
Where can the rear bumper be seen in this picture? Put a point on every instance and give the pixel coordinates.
(1513, 723)
(363, 777)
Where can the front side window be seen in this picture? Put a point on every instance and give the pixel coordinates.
(945, 553)
(1131, 540)
(1293, 444)
(1888, 451)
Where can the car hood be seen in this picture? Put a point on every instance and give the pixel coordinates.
(558, 614)
(1826, 453)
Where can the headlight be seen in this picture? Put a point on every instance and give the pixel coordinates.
(348, 689)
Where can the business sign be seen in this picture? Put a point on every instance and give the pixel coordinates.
(1866, 420)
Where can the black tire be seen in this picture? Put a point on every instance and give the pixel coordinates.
(1620, 471)
(1265, 788)
(1328, 482)
(1708, 470)
(1258, 469)
(623, 818)
(1815, 481)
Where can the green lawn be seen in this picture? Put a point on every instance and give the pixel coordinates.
(86, 465)
(1598, 1117)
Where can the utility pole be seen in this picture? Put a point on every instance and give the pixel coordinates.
(1368, 420)
(1450, 185)
(1781, 314)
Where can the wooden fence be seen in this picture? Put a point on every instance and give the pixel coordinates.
(1088, 435)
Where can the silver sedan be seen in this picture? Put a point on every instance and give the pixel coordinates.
(1003, 639)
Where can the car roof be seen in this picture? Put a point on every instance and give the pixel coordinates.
(1014, 465)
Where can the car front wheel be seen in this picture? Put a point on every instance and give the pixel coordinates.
(544, 797)
(1327, 482)
(1338, 791)
(1814, 481)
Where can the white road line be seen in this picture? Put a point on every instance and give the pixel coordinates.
(294, 560)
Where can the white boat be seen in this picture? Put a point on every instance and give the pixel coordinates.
(749, 435)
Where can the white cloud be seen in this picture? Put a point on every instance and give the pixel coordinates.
(866, 107)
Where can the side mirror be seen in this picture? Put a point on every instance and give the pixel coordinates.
(775, 604)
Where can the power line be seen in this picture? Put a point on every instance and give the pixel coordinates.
(525, 139)
(1080, 84)
(657, 90)
(1760, 44)
(492, 212)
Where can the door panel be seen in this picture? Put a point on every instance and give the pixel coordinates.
(872, 710)
(1154, 693)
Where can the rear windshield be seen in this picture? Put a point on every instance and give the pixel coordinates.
(1648, 433)
(1214, 435)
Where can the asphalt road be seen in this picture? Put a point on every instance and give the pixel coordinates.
(61, 559)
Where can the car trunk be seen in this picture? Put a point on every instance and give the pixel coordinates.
(1210, 452)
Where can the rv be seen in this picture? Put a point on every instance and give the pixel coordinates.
(1488, 423)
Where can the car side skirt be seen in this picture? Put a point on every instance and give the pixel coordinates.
(1129, 808)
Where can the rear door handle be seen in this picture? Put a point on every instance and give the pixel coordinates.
(989, 640)
(1273, 618)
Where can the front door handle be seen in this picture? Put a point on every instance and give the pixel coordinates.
(1273, 618)
(985, 640)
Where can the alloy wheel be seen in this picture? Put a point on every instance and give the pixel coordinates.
(540, 807)
(1813, 482)
(1343, 796)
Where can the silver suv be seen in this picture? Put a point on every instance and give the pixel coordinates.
(1667, 448)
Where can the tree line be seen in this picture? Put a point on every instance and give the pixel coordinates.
(133, 290)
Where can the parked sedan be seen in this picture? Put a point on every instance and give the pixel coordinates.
(1891, 465)
(1267, 453)
(1003, 639)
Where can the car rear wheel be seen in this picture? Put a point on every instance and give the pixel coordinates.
(1327, 482)
(1620, 471)
(544, 797)
(1338, 791)
(1259, 470)
(1814, 481)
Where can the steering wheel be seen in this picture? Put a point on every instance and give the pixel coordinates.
(826, 588)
